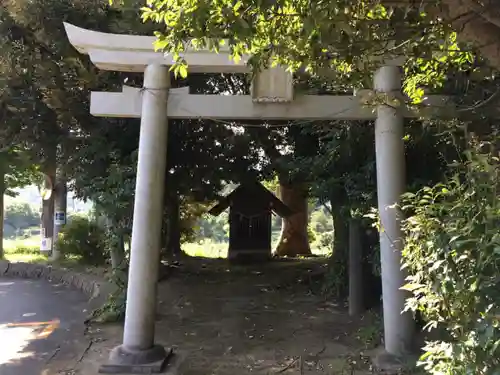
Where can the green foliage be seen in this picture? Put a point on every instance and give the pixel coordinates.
(214, 227)
(19, 170)
(335, 40)
(44, 101)
(324, 241)
(310, 234)
(44, 85)
(113, 310)
(111, 188)
(334, 284)
(321, 229)
(272, 184)
(453, 259)
(321, 221)
(84, 239)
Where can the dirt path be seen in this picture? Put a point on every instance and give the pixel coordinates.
(251, 320)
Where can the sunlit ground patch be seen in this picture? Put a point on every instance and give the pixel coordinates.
(12, 343)
(15, 337)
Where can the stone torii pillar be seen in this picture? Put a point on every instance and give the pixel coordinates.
(399, 327)
(138, 353)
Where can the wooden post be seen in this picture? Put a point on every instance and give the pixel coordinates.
(47, 218)
(60, 211)
(2, 209)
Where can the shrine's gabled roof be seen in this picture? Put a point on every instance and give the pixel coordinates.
(255, 192)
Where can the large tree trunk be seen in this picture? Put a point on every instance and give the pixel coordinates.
(475, 22)
(117, 253)
(117, 248)
(294, 238)
(340, 236)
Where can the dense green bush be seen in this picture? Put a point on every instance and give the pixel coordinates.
(83, 239)
(452, 253)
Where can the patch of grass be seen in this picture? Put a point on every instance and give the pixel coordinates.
(26, 258)
(30, 245)
(206, 249)
(370, 334)
(210, 249)
(24, 250)
(28, 250)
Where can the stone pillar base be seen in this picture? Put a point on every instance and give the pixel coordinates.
(125, 361)
(388, 363)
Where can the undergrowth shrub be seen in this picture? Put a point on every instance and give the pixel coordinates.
(452, 254)
(324, 241)
(113, 309)
(335, 283)
(83, 239)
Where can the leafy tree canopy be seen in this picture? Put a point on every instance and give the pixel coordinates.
(44, 105)
(333, 40)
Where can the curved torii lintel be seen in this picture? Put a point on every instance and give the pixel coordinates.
(132, 53)
(86, 40)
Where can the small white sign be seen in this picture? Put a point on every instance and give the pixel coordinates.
(46, 244)
(60, 218)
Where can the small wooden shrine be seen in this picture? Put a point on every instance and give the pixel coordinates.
(250, 208)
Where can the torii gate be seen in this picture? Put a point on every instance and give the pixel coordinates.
(272, 98)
